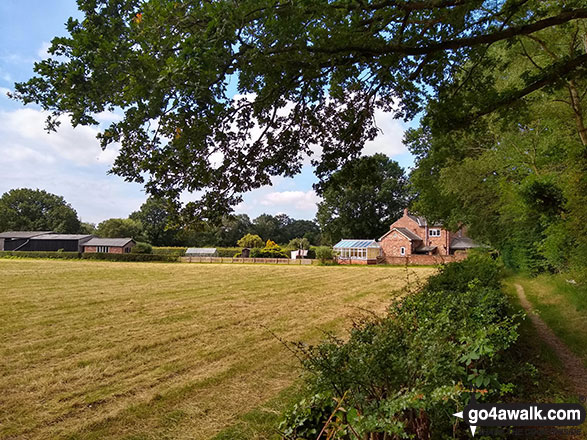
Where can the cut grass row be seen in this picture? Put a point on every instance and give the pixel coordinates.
(147, 351)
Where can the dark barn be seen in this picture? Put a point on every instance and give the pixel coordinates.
(42, 241)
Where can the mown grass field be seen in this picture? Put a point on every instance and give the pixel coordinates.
(93, 350)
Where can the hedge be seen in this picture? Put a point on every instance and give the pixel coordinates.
(39, 254)
(228, 252)
(88, 256)
(129, 257)
(169, 250)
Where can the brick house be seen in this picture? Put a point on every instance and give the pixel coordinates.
(414, 238)
(110, 245)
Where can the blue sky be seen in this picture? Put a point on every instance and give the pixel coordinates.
(71, 164)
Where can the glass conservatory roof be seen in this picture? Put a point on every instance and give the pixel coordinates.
(356, 244)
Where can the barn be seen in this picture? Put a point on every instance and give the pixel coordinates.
(42, 241)
(109, 245)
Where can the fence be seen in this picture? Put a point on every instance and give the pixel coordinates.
(247, 260)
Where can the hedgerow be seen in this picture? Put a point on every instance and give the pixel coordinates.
(403, 375)
(39, 254)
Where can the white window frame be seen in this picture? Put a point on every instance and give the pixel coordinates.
(434, 233)
(102, 249)
(402, 250)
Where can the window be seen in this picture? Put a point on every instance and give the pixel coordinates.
(434, 233)
(103, 249)
(127, 250)
(402, 250)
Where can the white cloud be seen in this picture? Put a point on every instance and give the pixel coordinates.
(43, 51)
(300, 200)
(23, 130)
(389, 140)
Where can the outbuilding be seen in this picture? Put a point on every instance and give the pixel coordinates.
(357, 251)
(201, 252)
(42, 241)
(109, 245)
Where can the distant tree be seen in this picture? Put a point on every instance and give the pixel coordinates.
(154, 217)
(121, 228)
(250, 241)
(37, 210)
(299, 243)
(302, 228)
(267, 227)
(232, 228)
(88, 228)
(362, 199)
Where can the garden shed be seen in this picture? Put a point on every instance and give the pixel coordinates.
(201, 252)
(357, 251)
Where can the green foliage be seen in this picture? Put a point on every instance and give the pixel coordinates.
(154, 217)
(325, 78)
(39, 254)
(250, 241)
(403, 374)
(362, 199)
(271, 250)
(299, 243)
(324, 253)
(36, 210)
(227, 252)
(120, 228)
(87, 228)
(142, 248)
(128, 257)
(175, 251)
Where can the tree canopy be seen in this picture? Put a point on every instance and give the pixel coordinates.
(37, 210)
(307, 74)
(362, 199)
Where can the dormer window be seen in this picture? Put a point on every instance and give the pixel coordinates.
(434, 233)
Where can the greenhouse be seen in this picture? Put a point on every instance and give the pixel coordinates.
(357, 251)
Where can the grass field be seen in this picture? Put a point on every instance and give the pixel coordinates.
(94, 350)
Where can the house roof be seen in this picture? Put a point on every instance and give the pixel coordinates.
(423, 222)
(114, 242)
(356, 244)
(200, 251)
(63, 237)
(405, 232)
(464, 243)
(22, 234)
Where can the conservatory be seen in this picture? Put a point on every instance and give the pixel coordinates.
(357, 251)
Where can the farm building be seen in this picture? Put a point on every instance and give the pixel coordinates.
(357, 251)
(201, 252)
(110, 245)
(42, 241)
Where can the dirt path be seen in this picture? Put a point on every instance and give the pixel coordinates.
(574, 367)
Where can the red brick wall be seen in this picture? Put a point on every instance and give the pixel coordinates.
(392, 243)
(354, 261)
(425, 259)
(408, 223)
(111, 249)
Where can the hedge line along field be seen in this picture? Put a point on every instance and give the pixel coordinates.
(94, 350)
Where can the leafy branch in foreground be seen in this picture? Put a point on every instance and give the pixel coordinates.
(307, 74)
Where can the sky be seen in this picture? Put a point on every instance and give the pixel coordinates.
(70, 162)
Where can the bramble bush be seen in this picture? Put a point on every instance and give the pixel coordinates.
(404, 374)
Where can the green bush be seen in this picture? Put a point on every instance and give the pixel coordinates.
(402, 375)
(128, 257)
(324, 253)
(250, 241)
(169, 250)
(142, 248)
(227, 252)
(39, 254)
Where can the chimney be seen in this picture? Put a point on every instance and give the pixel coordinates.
(405, 212)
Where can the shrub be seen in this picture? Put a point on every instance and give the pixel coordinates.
(39, 254)
(227, 252)
(142, 248)
(324, 253)
(400, 375)
(299, 243)
(250, 241)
